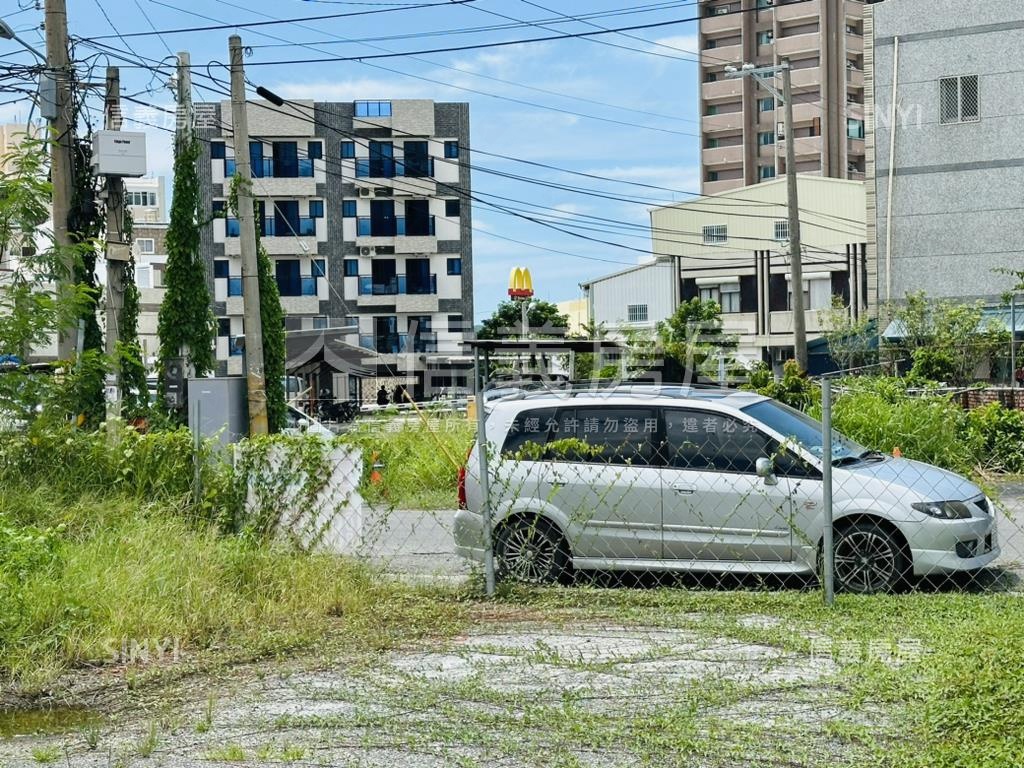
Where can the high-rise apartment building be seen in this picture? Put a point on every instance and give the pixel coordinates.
(364, 209)
(741, 124)
(145, 198)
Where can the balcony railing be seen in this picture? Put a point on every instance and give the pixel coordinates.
(306, 286)
(264, 168)
(365, 228)
(305, 228)
(389, 168)
(234, 286)
(399, 284)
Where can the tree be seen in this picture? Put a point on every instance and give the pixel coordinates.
(584, 362)
(851, 343)
(693, 334)
(185, 324)
(134, 388)
(544, 318)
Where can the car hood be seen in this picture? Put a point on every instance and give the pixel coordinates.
(926, 480)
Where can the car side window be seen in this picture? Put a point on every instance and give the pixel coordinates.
(713, 441)
(611, 435)
(528, 434)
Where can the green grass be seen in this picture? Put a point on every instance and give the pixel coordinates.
(111, 573)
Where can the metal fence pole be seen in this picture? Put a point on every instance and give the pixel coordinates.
(485, 478)
(197, 438)
(827, 548)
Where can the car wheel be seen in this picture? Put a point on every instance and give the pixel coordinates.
(532, 551)
(869, 558)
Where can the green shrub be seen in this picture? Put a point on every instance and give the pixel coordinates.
(999, 434)
(794, 388)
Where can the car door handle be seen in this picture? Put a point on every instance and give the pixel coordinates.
(683, 489)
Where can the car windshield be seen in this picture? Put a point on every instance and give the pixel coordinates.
(803, 430)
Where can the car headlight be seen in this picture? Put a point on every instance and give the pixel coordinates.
(944, 510)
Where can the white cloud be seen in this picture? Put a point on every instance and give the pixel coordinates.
(686, 44)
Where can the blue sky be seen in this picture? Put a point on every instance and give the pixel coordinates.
(621, 107)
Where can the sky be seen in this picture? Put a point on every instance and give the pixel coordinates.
(619, 107)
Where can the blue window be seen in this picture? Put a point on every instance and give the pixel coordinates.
(451, 149)
(220, 267)
(766, 172)
(315, 150)
(373, 108)
(454, 266)
(351, 267)
(217, 150)
(316, 209)
(766, 104)
(348, 209)
(348, 149)
(217, 208)
(319, 267)
(451, 207)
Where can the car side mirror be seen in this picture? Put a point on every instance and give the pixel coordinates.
(765, 469)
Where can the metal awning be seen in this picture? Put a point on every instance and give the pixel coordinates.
(896, 330)
(326, 346)
(546, 346)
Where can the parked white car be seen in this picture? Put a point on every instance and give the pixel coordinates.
(681, 479)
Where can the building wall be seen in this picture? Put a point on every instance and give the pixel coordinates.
(149, 278)
(822, 40)
(578, 312)
(957, 187)
(650, 286)
(339, 182)
(154, 210)
(749, 263)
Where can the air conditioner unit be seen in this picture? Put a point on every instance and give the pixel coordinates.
(365, 192)
(366, 250)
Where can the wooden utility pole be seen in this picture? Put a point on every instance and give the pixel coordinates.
(62, 128)
(118, 250)
(795, 247)
(247, 240)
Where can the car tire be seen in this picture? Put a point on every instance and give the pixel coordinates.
(532, 551)
(869, 558)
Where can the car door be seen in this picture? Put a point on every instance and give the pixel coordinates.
(715, 507)
(601, 472)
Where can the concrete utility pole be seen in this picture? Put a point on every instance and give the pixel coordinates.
(247, 240)
(117, 248)
(63, 140)
(764, 76)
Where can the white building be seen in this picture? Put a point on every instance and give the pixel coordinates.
(636, 298)
(733, 248)
(146, 199)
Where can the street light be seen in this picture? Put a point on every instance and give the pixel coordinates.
(765, 76)
(6, 33)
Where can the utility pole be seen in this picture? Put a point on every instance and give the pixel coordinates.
(117, 249)
(184, 95)
(765, 76)
(62, 143)
(247, 240)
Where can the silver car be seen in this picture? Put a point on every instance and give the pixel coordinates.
(681, 479)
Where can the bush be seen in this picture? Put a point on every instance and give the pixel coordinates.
(999, 434)
(794, 389)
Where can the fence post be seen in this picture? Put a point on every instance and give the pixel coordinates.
(827, 548)
(197, 438)
(485, 478)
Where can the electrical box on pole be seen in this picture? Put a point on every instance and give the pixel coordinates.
(119, 153)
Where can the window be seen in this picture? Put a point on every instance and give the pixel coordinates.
(316, 209)
(320, 322)
(712, 143)
(315, 150)
(712, 176)
(636, 313)
(455, 324)
(729, 299)
(373, 108)
(451, 149)
(622, 435)
(764, 138)
(455, 266)
(318, 267)
(451, 207)
(765, 3)
(217, 208)
(146, 245)
(766, 172)
(713, 442)
(220, 267)
(766, 104)
(710, 293)
(958, 99)
(348, 149)
(351, 267)
(854, 128)
(348, 209)
(223, 326)
(712, 109)
(217, 150)
(765, 38)
(529, 428)
(716, 233)
(416, 156)
(781, 230)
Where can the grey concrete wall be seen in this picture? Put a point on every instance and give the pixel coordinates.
(958, 191)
